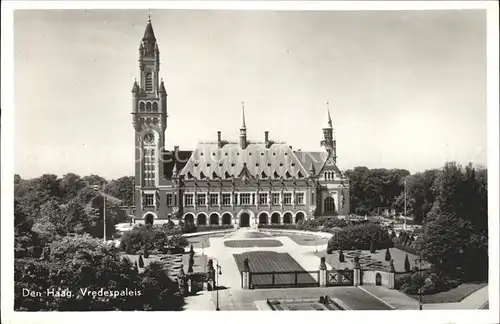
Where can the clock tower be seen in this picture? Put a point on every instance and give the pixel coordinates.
(149, 118)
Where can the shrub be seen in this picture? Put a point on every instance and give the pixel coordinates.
(136, 268)
(141, 262)
(191, 263)
(160, 239)
(425, 282)
(146, 251)
(359, 237)
(191, 251)
(407, 264)
(372, 247)
(341, 256)
(388, 255)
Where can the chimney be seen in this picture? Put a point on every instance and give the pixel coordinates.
(219, 139)
(266, 138)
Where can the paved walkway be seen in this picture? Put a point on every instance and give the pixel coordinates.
(398, 300)
(231, 277)
(202, 301)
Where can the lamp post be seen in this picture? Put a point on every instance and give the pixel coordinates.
(217, 273)
(421, 290)
(104, 211)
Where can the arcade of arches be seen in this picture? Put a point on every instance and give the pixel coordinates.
(215, 219)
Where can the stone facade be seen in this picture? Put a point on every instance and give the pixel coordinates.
(238, 183)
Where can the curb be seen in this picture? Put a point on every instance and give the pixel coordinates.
(376, 297)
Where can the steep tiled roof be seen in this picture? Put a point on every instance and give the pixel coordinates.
(210, 161)
(180, 158)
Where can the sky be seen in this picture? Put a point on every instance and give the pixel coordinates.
(406, 89)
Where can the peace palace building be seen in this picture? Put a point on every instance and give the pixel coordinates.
(240, 183)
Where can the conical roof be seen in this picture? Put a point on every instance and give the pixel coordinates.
(149, 34)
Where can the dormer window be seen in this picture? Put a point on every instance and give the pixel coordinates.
(202, 176)
(208, 164)
(226, 175)
(281, 163)
(287, 174)
(263, 175)
(149, 81)
(190, 176)
(256, 164)
(299, 175)
(275, 175)
(214, 175)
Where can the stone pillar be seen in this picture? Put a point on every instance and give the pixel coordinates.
(245, 275)
(357, 272)
(392, 275)
(322, 273)
(181, 281)
(211, 274)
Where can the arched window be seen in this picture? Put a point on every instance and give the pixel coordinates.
(149, 81)
(142, 106)
(155, 106)
(329, 205)
(148, 107)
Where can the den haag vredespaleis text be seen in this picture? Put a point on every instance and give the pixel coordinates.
(84, 292)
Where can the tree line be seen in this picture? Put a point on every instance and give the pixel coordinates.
(61, 262)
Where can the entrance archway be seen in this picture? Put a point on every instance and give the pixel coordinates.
(189, 219)
(287, 218)
(214, 219)
(245, 220)
(202, 219)
(378, 279)
(299, 217)
(263, 217)
(149, 219)
(275, 218)
(226, 219)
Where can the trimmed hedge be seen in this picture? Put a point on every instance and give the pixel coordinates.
(406, 248)
(359, 237)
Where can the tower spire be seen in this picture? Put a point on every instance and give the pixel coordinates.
(243, 124)
(243, 129)
(328, 117)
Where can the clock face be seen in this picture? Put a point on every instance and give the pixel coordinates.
(149, 138)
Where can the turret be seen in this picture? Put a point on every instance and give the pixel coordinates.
(328, 140)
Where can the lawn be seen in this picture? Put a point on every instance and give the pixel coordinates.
(203, 240)
(454, 295)
(372, 260)
(252, 243)
(306, 239)
(269, 262)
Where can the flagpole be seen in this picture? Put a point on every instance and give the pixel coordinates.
(104, 212)
(405, 198)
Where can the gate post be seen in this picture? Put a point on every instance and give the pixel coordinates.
(322, 273)
(392, 274)
(356, 276)
(245, 275)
